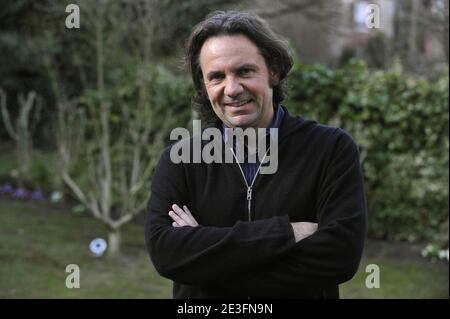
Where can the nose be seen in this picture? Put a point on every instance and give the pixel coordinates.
(233, 88)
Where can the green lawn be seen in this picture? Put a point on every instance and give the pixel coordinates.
(403, 274)
(38, 241)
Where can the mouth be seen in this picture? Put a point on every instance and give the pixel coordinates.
(238, 104)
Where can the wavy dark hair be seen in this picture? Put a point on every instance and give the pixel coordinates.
(271, 46)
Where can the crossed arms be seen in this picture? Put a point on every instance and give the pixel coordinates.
(183, 217)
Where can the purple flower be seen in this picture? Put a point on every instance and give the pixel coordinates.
(6, 189)
(20, 193)
(37, 195)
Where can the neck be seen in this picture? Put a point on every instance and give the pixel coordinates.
(266, 121)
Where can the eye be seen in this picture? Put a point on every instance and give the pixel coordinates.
(215, 76)
(244, 71)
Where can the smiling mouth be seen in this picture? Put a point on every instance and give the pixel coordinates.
(238, 104)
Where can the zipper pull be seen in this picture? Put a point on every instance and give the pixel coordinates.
(249, 201)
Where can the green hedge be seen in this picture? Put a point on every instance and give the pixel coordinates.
(400, 124)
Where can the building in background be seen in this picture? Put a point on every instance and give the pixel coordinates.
(414, 33)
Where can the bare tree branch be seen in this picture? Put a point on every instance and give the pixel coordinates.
(5, 115)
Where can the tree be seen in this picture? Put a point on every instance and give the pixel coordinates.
(124, 135)
(21, 131)
(417, 23)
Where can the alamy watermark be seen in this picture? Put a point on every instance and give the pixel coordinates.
(73, 19)
(73, 279)
(373, 279)
(373, 16)
(226, 148)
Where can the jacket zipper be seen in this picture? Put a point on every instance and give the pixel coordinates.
(249, 188)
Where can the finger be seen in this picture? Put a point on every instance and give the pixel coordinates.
(177, 218)
(175, 224)
(182, 214)
(188, 212)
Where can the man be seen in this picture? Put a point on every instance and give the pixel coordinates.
(223, 230)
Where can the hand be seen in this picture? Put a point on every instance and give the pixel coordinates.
(182, 217)
(303, 230)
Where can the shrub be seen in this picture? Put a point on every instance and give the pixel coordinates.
(400, 124)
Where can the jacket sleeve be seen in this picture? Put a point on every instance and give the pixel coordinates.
(199, 255)
(332, 254)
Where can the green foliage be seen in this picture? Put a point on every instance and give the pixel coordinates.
(167, 97)
(401, 127)
(41, 172)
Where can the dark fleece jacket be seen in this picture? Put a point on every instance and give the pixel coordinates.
(318, 180)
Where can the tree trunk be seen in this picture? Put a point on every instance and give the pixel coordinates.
(114, 241)
(412, 37)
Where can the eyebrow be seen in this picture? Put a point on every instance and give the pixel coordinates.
(211, 74)
(248, 66)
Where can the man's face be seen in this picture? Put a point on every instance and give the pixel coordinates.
(236, 78)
